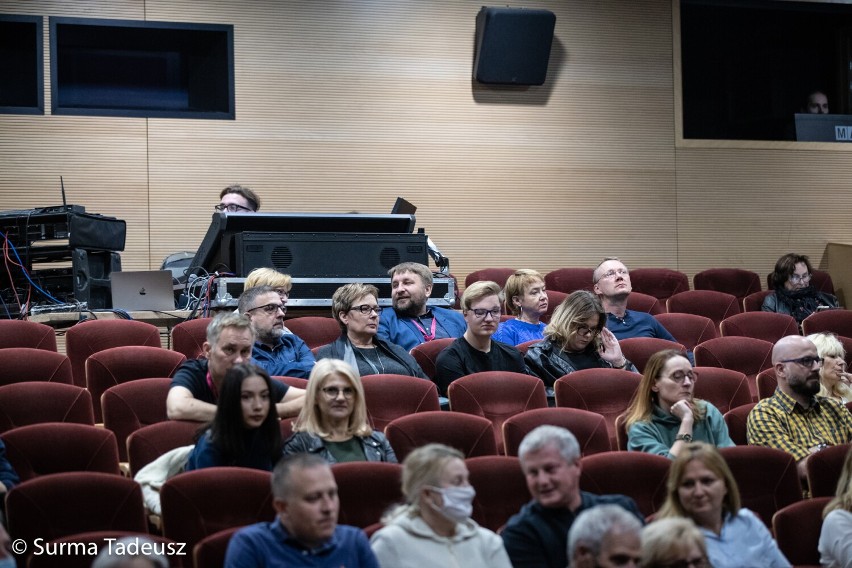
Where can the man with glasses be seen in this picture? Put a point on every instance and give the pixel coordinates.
(611, 281)
(795, 419)
(793, 294)
(475, 352)
(278, 350)
(238, 199)
(196, 384)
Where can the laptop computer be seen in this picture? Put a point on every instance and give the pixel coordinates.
(144, 290)
(823, 127)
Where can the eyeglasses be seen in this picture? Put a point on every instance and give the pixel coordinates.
(680, 376)
(366, 309)
(232, 208)
(796, 278)
(613, 273)
(334, 392)
(585, 330)
(806, 361)
(482, 313)
(269, 308)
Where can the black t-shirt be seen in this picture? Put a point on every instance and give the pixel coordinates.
(460, 359)
(192, 375)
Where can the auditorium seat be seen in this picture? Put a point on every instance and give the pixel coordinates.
(588, 427)
(471, 435)
(754, 302)
(638, 475)
(19, 364)
(188, 337)
(768, 326)
(23, 333)
(744, 354)
(211, 550)
(714, 305)
(313, 330)
(734, 281)
(723, 388)
(150, 442)
(639, 349)
(501, 489)
(838, 322)
(366, 490)
(390, 396)
(568, 280)
(737, 421)
(639, 302)
(554, 298)
(90, 336)
(426, 354)
(797, 529)
(661, 283)
(130, 406)
(688, 329)
(766, 383)
(36, 402)
(824, 468)
(498, 275)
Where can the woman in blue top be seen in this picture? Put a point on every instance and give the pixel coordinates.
(526, 299)
(663, 416)
(245, 431)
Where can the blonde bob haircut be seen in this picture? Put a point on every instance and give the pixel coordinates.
(843, 496)
(346, 296)
(575, 310)
(642, 405)
(422, 468)
(310, 419)
(479, 290)
(828, 345)
(667, 542)
(517, 284)
(268, 277)
(712, 460)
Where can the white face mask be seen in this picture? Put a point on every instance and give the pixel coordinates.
(458, 502)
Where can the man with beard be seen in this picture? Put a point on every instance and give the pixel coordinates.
(794, 419)
(611, 281)
(411, 322)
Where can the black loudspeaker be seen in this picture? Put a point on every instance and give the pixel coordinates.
(91, 277)
(513, 45)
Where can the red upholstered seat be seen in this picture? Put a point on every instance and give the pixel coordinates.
(661, 283)
(767, 326)
(498, 275)
(313, 330)
(130, 406)
(150, 442)
(607, 473)
(639, 349)
(588, 427)
(838, 322)
(390, 396)
(734, 281)
(19, 364)
(639, 302)
(823, 469)
(91, 336)
(714, 305)
(471, 435)
(754, 302)
(723, 388)
(554, 298)
(747, 355)
(366, 490)
(766, 383)
(426, 354)
(688, 329)
(188, 337)
(737, 422)
(797, 528)
(501, 489)
(211, 550)
(35, 402)
(21, 333)
(569, 279)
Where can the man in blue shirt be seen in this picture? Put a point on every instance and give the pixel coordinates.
(411, 322)
(305, 531)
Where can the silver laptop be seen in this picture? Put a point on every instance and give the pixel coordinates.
(823, 127)
(145, 290)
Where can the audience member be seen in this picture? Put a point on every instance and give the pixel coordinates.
(276, 349)
(793, 294)
(196, 384)
(833, 378)
(576, 338)
(835, 546)
(475, 352)
(8, 476)
(245, 431)
(305, 532)
(795, 419)
(130, 552)
(664, 417)
(333, 423)
(238, 199)
(526, 299)
(280, 283)
(611, 281)
(605, 536)
(357, 310)
(433, 527)
(702, 487)
(537, 536)
(816, 103)
(7, 560)
(667, 543)
(412, 322)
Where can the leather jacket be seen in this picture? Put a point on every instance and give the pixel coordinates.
(544, 360)
(376, 447)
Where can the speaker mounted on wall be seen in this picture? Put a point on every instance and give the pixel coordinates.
(513, 45)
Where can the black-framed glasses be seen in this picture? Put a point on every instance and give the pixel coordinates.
(334, 392)
(269, 308)
(806, 361)
(482, 313)
(365, 309)
(585, 330)
(796, 278)
(680, 376)
(232, 208)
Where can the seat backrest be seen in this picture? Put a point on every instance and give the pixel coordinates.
(55, 447)
(63, 504)
(688, 329)
(471, 435)
(797, 528)
(569, 279)
(838, 322)
(426, 354)
(188, 337)
(605, 391)
(754, 302)
(150, 442)
(22, 333)
(390, 396)
(129, 406)
(723, 388)
(714, 305)
(639, 349)
(734, 281)
(639, 302)
(767, 478)
(588, 427)
(747, 355)
(366, 490)
(211, 550)
(498, 275)
(90, 336)
(766, 382)
(501, 489)
(497, 395)
(31, 403)
(117, 365)
(314, 330)
(658, 282)
(202, 502)
(604, 474)
(554, 298)
(18, 364)
(767, 326)
(737, 422)
(824, 468)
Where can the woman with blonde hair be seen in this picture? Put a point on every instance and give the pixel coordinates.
(526, 299)
(835, 546)
(833, 378)
(333, 423)
(433, 527)
(673, 542)
(576, 338)
(664, 416)
(701, 487)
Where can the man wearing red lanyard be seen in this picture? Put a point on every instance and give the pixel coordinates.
(411, 322)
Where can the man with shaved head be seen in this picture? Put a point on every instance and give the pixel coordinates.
(795, 419)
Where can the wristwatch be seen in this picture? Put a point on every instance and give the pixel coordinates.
(685, 437)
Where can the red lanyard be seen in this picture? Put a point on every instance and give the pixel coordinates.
(427, 336)
(212, 386)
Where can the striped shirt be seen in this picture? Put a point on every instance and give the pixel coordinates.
(782, 423)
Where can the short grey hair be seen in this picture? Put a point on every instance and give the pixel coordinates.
(108, 557)
(283, 471)
(594, 524)
(248, 297)
(546, 435)
(230, 319)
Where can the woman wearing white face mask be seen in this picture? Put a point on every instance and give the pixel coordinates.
(433, 527)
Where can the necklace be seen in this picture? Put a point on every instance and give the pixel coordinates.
(363, 354)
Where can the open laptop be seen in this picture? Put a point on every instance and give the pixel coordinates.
(823, 127)
(144, 290)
